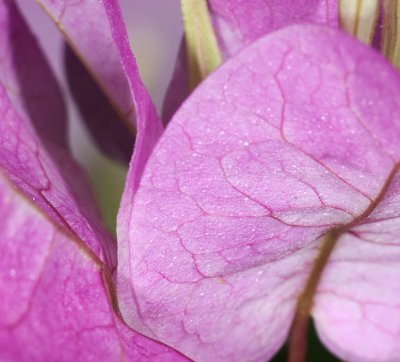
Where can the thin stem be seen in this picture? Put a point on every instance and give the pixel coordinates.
(298, 333)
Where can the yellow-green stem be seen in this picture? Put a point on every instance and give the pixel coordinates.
(203, 53)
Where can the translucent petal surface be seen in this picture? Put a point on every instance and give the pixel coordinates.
(54, 302)
(293, 136)
(33, 149)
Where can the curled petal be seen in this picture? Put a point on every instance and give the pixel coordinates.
(88, 31)
(33, 147)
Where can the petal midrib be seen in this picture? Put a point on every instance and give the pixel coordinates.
(297, 339)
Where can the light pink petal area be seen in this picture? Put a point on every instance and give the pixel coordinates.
(54, 303)
(357, 307)
(238, 23)
(292, 136)
(33, 150)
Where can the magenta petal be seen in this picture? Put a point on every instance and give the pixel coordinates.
(107, 128)
(294, 135)
(25, 73)
(54, 303)
(357, 309)
(178, 88)
(115, 68)
(86, 26)
(88, 30)
(149, 127)
(357, 312)
(33, 149)
(238, 23)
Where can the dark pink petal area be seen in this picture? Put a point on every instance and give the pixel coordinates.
(54, 303)
(238, 23)
(26, 75)
(109, 131)
(33, 150)
(89, 33)
(293, 136)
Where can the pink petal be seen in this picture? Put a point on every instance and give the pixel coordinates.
(54, 302)
(294, 135)
(238, 23)
(107, 128)
(33, 150)
(88, 30)
(357, 312)
(86, 25)
(26, 75)
(357, 309)
(148, 124)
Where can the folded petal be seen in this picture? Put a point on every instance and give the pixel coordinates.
(149, 129)
(55, 299)
(238, 23)
(88, 31)
(33, 147)
(148, 124)
(26, 75)
(295, 135)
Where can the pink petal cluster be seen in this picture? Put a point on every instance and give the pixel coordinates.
(223, 213)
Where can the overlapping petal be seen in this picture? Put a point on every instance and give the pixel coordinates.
(55, 301)
(109, 131)
(104, 44)
(55, 284)
(33, 146)
(87, 30)
(238, 23)
(293, 136)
